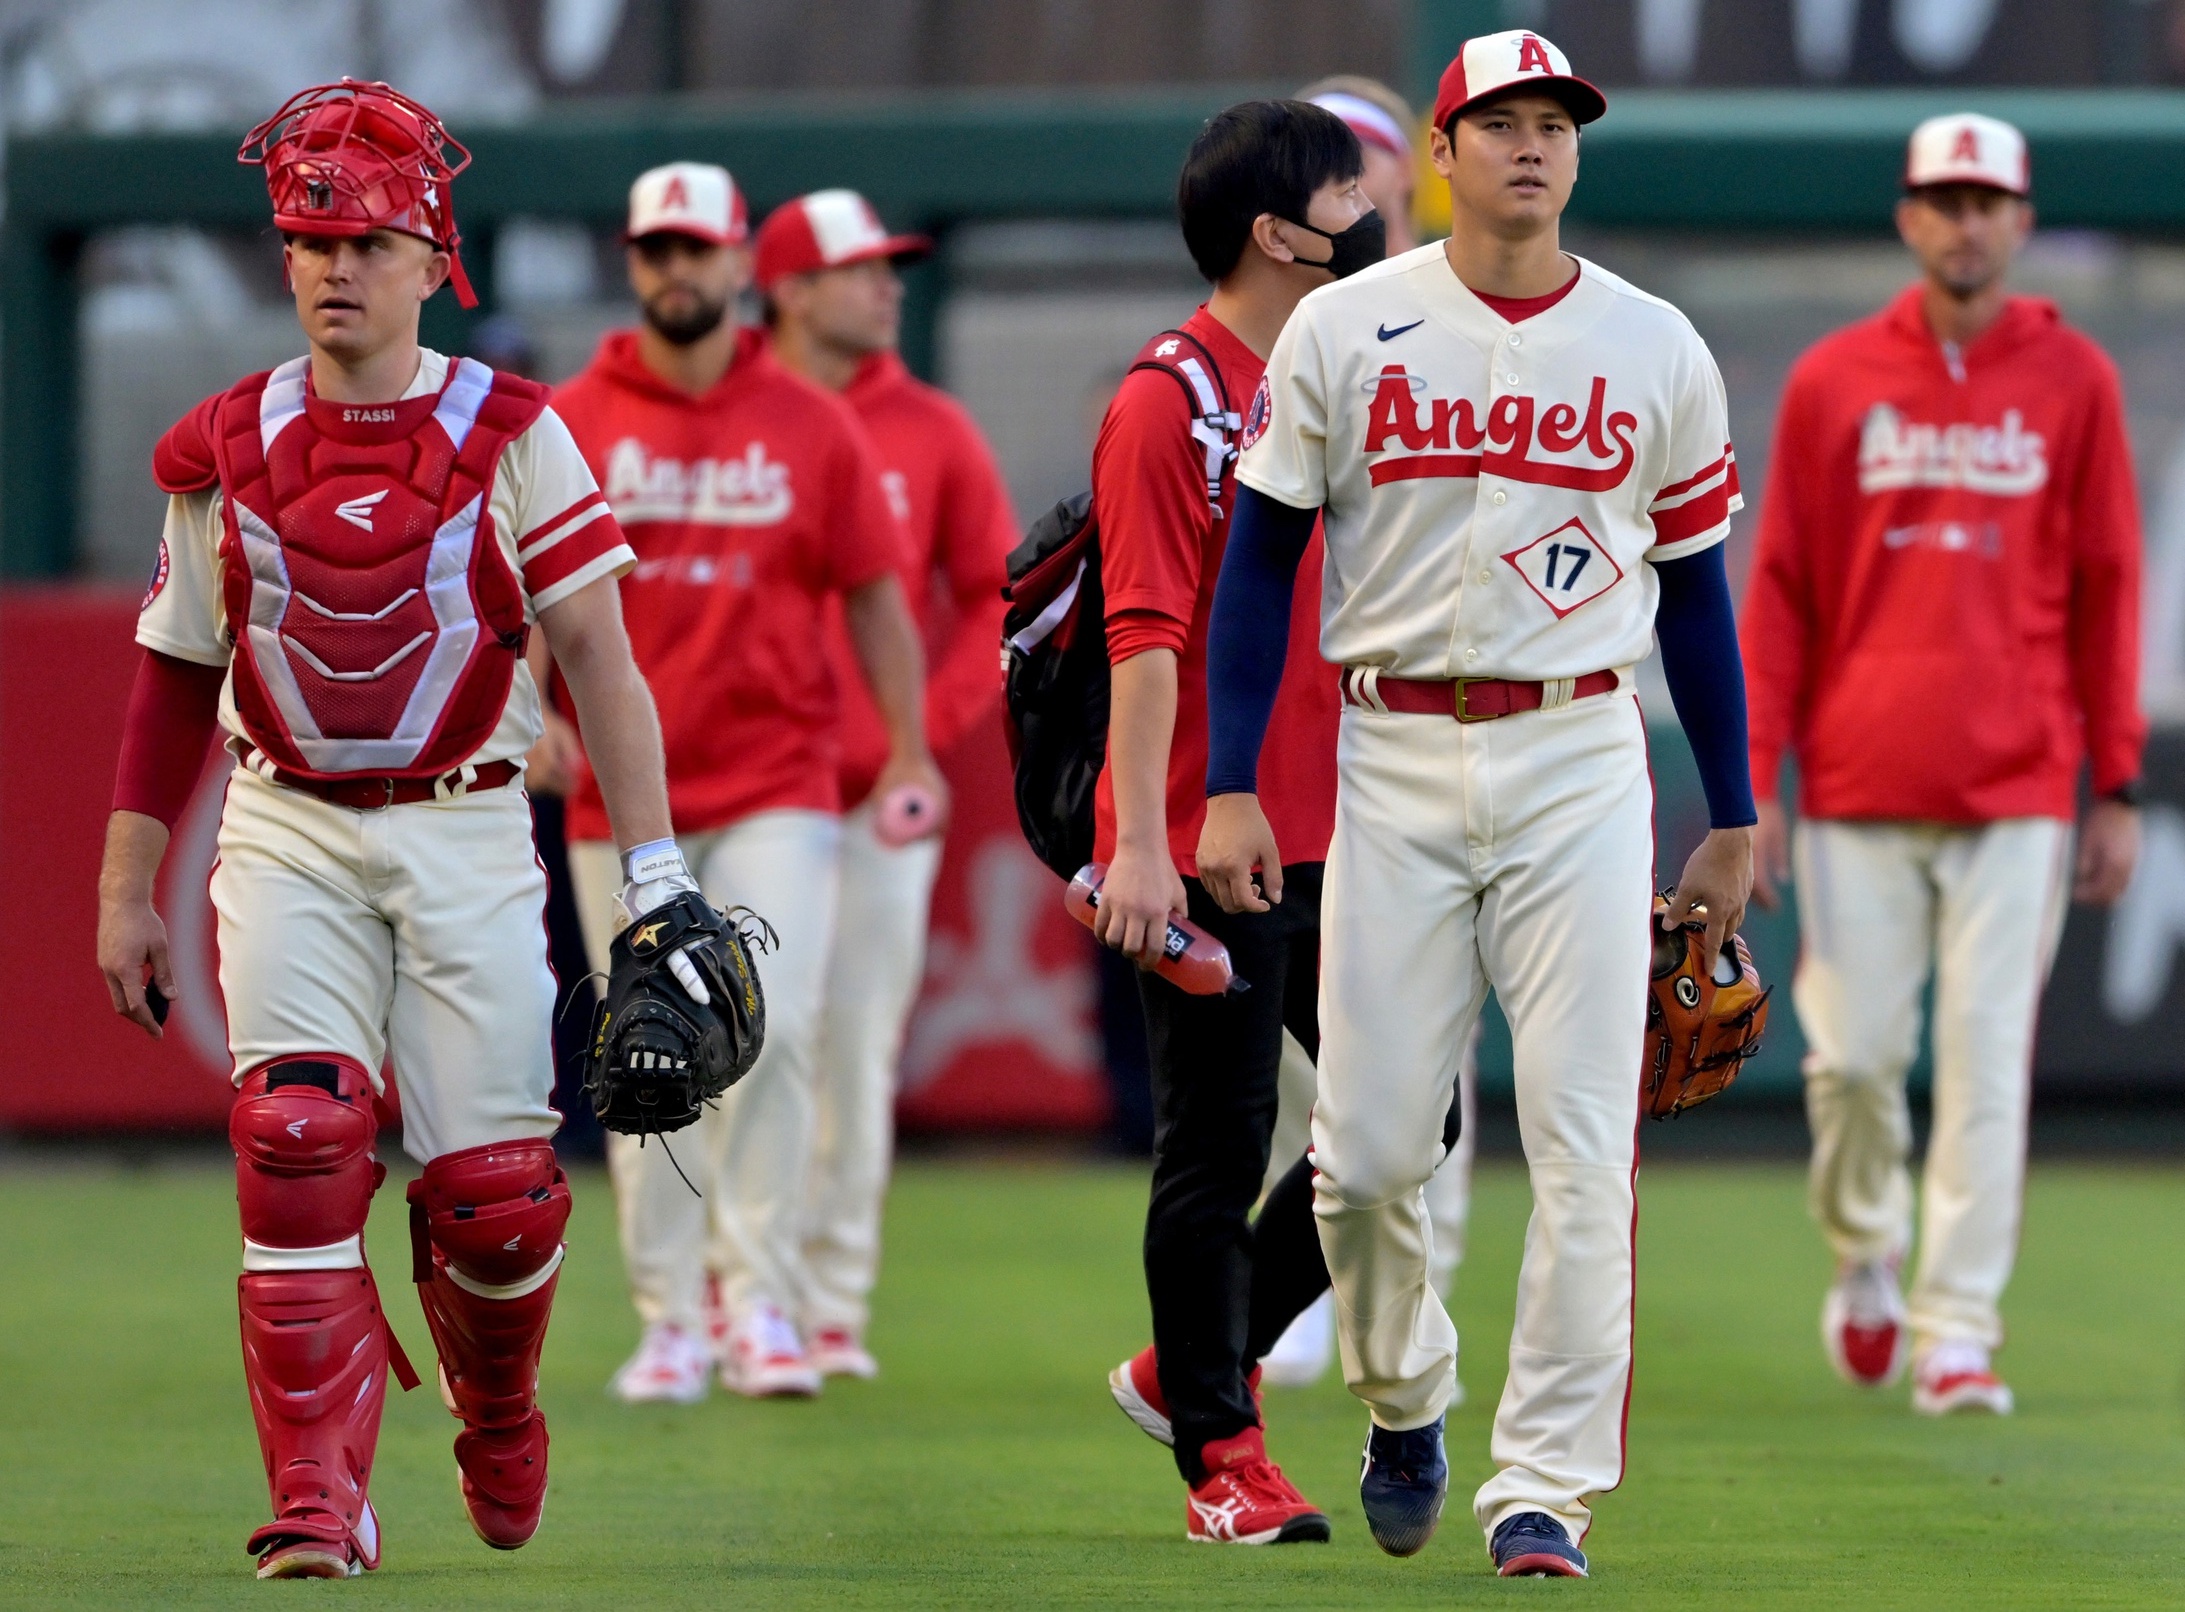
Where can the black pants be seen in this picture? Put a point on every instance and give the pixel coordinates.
(1223, 1288)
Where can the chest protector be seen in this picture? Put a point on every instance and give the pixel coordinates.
(377, 623)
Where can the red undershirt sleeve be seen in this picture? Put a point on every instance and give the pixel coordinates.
(173, 711)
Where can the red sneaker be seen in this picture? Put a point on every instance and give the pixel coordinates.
(1136, 1385)
(1246, 1500)
(1863, 1325)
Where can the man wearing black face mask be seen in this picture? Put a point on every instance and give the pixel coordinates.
(1271, 210)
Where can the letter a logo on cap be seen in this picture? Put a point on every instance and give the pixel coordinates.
(1967, 148)
(675, 196)
(1532, 56)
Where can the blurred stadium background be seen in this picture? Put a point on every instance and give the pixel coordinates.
(1746, 173)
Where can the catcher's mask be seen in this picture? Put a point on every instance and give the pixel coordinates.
(347, 158)
(657, 1057)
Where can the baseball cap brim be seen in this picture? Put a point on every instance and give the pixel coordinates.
(689, 232)
(1584, 103)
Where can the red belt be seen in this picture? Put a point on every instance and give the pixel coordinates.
(375, 794)
(1468, 699)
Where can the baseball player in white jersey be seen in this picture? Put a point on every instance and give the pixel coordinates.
(1519, 459)
(357, 545)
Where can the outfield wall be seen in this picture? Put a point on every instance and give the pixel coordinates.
(1007, 1031)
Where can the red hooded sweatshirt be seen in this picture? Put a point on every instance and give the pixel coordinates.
(1943, 619)
(749, 508)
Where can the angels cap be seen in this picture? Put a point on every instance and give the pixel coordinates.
(829, 229)
(1964, 148)
(1518, 60)
(688, 198)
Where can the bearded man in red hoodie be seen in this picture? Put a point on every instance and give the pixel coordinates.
(1943, 628)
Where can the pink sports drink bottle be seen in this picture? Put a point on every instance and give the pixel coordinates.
(1191, 959)
(906, 813)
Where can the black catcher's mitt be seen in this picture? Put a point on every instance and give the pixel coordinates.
(657, 1056)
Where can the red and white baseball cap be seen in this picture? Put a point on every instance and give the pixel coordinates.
(688, 198)
(1964, 148)
(829, 229)
(1520, 60)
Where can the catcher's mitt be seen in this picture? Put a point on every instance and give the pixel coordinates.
(657, 1056)
(1702, 1023)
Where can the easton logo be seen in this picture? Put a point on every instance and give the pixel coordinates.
(358, 511)
(647, 936)
(1447, 438)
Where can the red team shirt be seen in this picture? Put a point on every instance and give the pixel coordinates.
(946, 491)
(1943, 618)
(748, 508)
(1160, 554)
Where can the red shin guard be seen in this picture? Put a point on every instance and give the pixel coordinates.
(315, 1358)
(485, 1229)
(316, 1346)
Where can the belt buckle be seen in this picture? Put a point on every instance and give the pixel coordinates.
(1464, 712)
(390, 800)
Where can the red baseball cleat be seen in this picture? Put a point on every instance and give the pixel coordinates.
(1246, 1500)
(1136, 1385)
(1863, 1325)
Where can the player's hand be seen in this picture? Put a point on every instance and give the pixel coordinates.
(131, 940)
(557, 760)
(919, 770)
(1141, 890)
(1771, 854)
(1717, 882)
(1235, 840)
(2108, 851)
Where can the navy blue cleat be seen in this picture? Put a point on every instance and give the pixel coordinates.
(1532, 1544)
(1405, 1480)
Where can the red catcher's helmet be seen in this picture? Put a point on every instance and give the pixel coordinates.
(341, 159)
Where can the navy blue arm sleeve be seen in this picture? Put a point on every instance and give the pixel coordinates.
(1697, 629)
(1248, 638)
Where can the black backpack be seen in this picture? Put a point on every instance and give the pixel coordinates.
(1054, 646)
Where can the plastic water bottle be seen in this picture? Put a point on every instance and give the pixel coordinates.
(1191, 959)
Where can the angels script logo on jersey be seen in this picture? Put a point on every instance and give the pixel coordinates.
(749, 490)
(1503, 445)
(2006, 460)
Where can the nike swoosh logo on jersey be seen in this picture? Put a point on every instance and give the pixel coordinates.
(1387, 334)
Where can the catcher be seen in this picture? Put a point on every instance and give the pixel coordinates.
(357, 546)
(1702, 1021)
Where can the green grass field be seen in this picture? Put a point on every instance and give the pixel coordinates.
(987, 1467)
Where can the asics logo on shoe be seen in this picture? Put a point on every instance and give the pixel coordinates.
(1387, 334)
(1218, 1520)
(358, 511)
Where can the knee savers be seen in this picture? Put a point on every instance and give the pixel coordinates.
(302, 1129)
(494, 1213)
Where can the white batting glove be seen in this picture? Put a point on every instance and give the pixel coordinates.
(657, 875)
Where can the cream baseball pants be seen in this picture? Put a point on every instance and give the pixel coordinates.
(872, 981)
(1516, 854)
(1879, 905)
(1448, 1193)
(750, 1153)
(413, 935)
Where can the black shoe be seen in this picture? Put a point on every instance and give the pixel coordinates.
(1532, 1544)
(1405, 1480)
